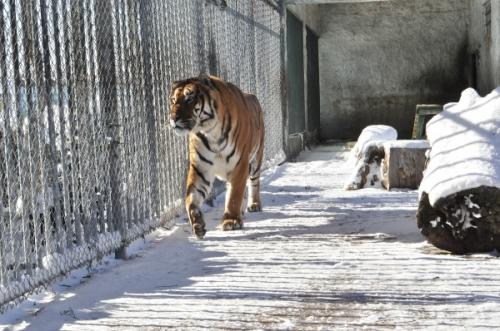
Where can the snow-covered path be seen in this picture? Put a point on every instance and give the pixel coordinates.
(317, 258)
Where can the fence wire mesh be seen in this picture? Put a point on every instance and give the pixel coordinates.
(87, 163)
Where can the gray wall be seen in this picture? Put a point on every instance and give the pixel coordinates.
(485, 42)
(378, 60)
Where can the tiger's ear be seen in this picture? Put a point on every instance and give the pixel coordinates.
(204, 79)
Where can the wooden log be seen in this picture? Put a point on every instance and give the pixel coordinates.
(404, 163)
(459, 207)
(465, 222)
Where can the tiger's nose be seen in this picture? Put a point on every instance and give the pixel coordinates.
(173, 118)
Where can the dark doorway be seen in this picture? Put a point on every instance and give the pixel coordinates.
(295, 69)
(312, 81)
(474, 69)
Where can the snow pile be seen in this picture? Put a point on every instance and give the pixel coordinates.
(366, 156)
(465, 141)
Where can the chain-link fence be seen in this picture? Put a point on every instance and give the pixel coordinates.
(87, 163)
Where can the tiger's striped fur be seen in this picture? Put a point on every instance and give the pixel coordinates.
(226, 140)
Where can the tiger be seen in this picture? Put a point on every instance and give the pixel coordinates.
(225, 129)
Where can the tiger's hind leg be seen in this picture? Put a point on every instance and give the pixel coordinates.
(253, 184)
(254, 202)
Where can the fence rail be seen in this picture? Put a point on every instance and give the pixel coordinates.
(87, 163)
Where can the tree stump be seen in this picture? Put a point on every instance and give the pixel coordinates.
(404, 163)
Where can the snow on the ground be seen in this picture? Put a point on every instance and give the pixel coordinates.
(316, 258)
(465, 146)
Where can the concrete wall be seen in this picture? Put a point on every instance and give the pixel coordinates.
(379, 59)
(484, 41)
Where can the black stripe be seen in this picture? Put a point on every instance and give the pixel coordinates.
(223, 123)
(213, 105)
(256, 170)
(204, 140)
(228, 128)
(225, 145)
(204, 189)
(210, 116)
(231, 154)
(238, 161)
(203, 194)
(199, 173)
(254, 178)
(204, 159)
(225, 131)
(202, 105)
(236, 136)
(225, 136)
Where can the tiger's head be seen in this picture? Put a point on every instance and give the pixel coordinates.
(192, 105)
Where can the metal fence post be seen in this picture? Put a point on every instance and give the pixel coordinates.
(283, 76)
(110, 70)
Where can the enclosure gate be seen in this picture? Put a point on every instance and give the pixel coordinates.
(87, 163)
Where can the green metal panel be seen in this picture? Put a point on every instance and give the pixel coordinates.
(295, 69)
(423, 114)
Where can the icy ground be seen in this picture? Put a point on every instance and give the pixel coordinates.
(317, 258)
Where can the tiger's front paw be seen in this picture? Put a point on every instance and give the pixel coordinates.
(197, 223)
(254, 207)
(199, 230)
(229, 224)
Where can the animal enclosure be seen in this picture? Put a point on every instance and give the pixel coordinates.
(87, 163)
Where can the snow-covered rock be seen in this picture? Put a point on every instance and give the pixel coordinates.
(459, 207)
(366, 157)
(372, 135)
